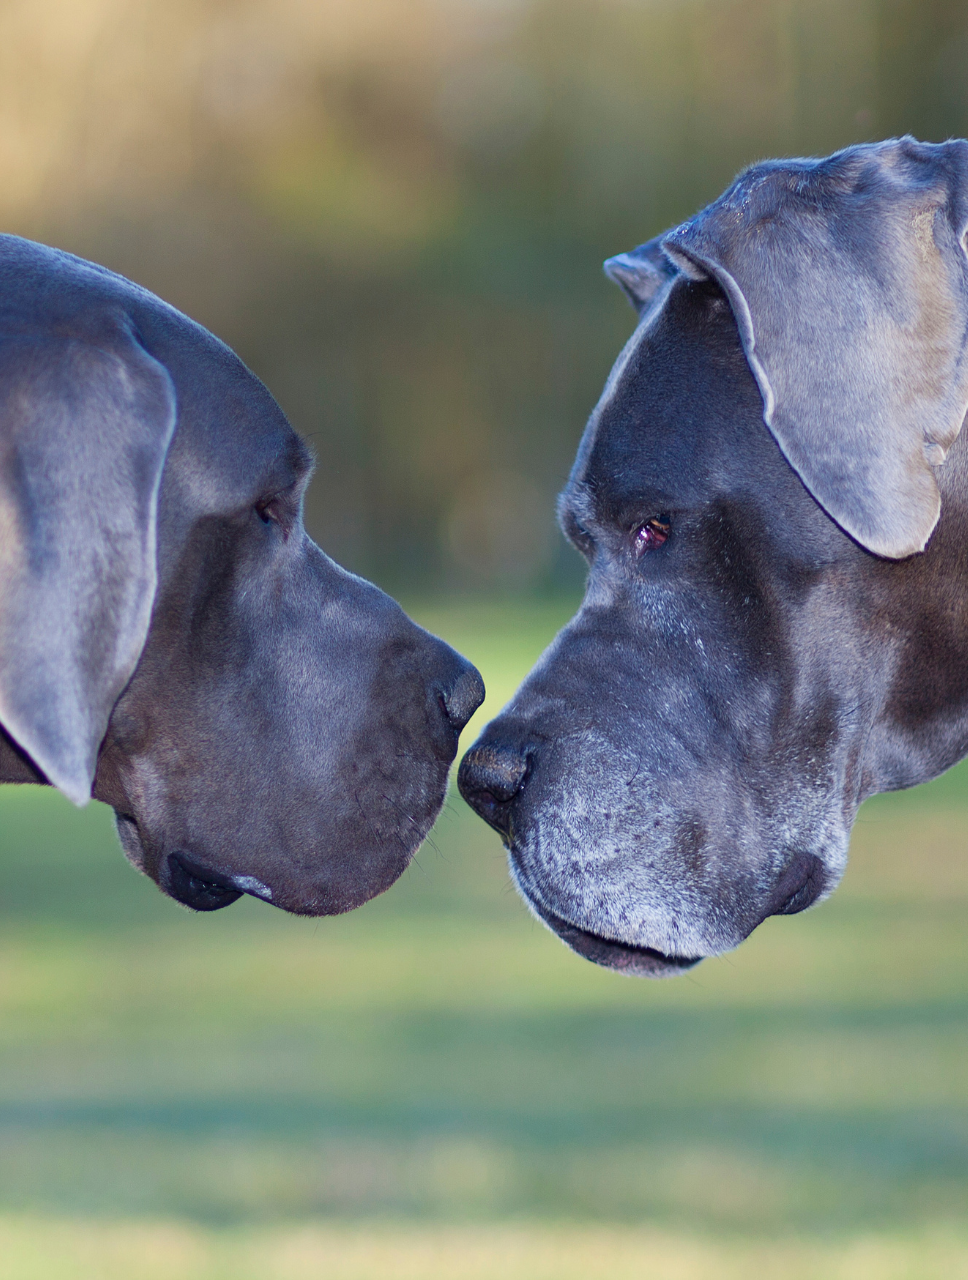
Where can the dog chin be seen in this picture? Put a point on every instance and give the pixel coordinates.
(624, 957)
(193, 882)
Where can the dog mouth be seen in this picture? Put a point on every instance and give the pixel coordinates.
(625, 957)
(203, 889)
(803, 882)
(199, 887)
(189, 882)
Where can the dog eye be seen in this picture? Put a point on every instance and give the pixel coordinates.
(267, 509)
(651, 534)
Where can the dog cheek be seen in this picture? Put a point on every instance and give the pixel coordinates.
(131, 843)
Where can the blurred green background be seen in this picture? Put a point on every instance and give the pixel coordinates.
(435, 1087)
(396, 211)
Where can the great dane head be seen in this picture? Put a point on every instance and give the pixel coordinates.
(775, 624)
(262, 721)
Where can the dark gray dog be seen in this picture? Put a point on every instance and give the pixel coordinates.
(774, 627)
(262, 721)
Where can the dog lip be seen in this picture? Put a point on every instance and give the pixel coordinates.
(250, 885)
(626, 957)
(199, 887)
(804, 880)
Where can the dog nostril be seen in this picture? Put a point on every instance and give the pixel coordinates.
(489, 778)
(463, 698)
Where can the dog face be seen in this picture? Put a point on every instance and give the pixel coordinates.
(288, 731)
(751, 658)
(262, 721)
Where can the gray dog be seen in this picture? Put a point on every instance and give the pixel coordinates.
(170, 639)
(776, 620)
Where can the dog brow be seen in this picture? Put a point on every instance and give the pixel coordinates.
(577, 501)
(300, 457)
(292, 465)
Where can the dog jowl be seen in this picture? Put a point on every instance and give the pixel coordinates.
(772, 498)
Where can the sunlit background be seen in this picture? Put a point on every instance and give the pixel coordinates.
(396, 211)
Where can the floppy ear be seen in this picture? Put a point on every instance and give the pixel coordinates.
(848, 279)
(85, 423)
(641, 273)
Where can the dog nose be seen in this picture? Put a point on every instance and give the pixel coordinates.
(489, 778)
(463, 697)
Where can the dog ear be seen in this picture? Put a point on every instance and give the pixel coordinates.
(642, 273)
(85, 423)
(848, 279)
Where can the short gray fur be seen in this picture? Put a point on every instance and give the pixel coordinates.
(688, 756)
(848, 278)
(171, 640)
(77, 536)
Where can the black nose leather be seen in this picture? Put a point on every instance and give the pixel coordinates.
(463, 697)
(489, 778)
(198, 887)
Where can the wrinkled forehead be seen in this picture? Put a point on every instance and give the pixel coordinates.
(680, 416)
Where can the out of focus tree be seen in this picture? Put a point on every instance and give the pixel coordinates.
(396, 209)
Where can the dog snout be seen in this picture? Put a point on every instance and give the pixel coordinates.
(491, 776)
(463, 695)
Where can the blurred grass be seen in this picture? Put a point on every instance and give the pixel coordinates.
(38, 1250)
(230, 1094)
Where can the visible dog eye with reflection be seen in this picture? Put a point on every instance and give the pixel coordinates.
(651, 534)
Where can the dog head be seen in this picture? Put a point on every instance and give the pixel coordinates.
(262, 721)
(764, 640)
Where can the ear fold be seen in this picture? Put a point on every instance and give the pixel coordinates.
(85, 424)
(848, 278)
(642, 273)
